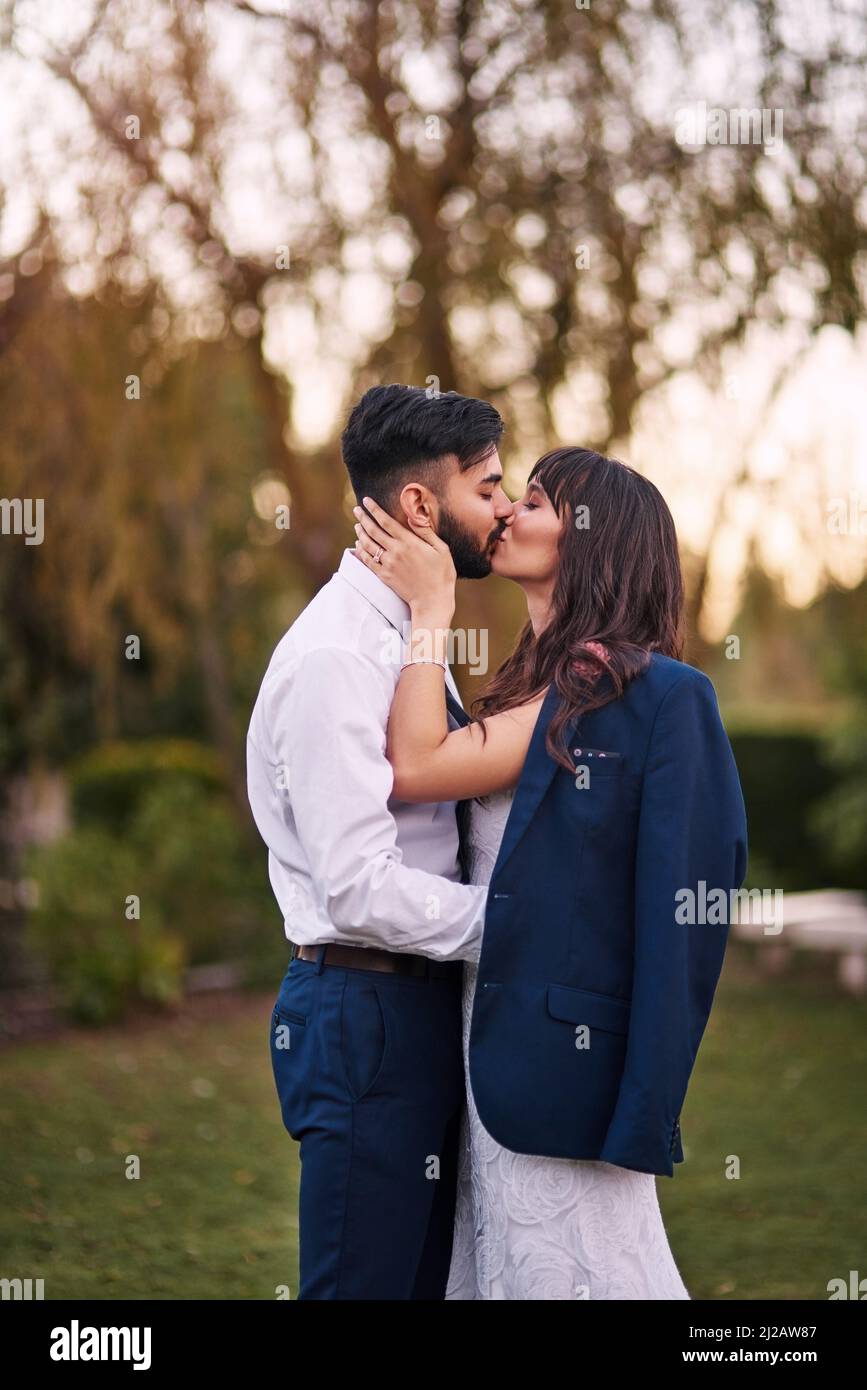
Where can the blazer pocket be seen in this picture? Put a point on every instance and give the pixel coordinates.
(600, 762)
(604, 1011)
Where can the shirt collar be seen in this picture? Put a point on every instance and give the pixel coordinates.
(385, 601)
(375, 590)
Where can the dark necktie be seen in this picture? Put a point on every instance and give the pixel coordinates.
(462, 808)
(456, 710)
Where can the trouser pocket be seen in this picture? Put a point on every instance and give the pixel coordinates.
(291, 1041)
(363, 1044)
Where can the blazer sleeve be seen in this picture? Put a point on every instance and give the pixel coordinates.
(692, 839)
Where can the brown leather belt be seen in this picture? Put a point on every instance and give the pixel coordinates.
(389, 962)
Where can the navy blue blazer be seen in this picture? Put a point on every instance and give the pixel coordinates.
(594, 987)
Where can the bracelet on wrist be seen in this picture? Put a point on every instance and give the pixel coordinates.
(423, 661)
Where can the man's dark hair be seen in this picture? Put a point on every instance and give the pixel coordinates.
(396, 430)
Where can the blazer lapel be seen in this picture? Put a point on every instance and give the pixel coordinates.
(535, 780)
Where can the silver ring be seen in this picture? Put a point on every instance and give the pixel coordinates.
(378, 556)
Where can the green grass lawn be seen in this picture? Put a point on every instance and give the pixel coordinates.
(778, 1083)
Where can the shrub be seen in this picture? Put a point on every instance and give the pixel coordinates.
(786, 777)
(840, 818)
(209, 884)
(108, 783)
(98, 959)
(203, 891)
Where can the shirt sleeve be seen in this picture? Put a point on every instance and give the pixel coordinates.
(327, 718)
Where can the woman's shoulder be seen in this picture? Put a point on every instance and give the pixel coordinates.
(664, 673)
(672, 686)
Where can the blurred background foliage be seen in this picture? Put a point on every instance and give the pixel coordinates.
(306, 203)
(201, 896)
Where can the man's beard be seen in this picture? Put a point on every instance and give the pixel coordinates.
(471, 560)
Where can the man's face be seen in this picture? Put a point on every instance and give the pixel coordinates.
(473, 512)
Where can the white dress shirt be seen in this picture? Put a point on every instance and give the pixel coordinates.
(347, 861)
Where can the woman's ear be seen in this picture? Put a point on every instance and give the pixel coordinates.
(418, 504)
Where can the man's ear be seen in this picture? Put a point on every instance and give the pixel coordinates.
(417, 504)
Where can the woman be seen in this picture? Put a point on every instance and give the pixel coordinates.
(606, 806)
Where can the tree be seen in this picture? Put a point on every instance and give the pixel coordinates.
(147, 607)
(508, 177)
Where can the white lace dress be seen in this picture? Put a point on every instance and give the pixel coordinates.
(529, 1227)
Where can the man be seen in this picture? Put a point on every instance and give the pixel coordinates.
(366, 1031)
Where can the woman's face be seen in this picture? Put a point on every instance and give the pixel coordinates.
(527, 550)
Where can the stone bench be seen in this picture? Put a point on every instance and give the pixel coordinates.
(826, 920)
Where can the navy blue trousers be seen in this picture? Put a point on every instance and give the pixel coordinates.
(369, 1073)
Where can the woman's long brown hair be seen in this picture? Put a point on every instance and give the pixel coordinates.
(618, 582)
